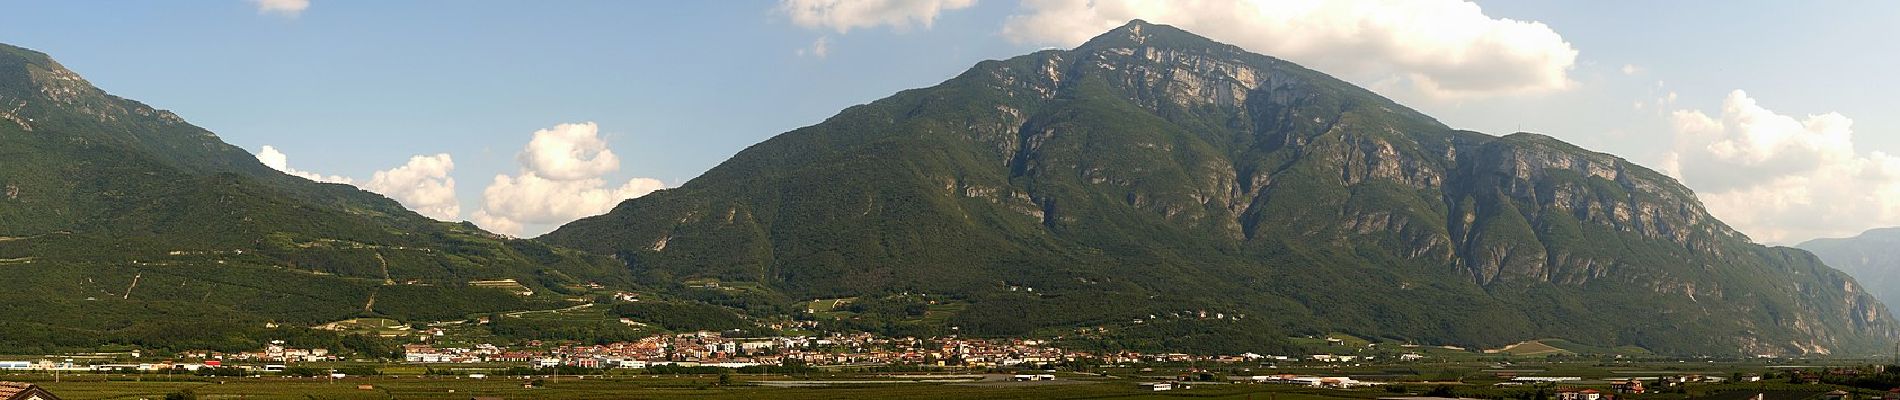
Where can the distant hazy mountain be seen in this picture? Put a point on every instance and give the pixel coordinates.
(1873, 258)
(1155, 189)
(121, 223)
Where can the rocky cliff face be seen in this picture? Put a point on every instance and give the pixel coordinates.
(1194, 170)
(1873, 257)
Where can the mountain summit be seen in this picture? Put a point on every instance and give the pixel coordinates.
(1156, 189)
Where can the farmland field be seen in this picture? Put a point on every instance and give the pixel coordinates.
(700, 387)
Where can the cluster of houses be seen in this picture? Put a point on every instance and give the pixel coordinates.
(151, 367)
(713, 349)
(273, 352)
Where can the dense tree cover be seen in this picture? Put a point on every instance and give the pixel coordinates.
(684, 316)
(1886, 378)
(586, 330)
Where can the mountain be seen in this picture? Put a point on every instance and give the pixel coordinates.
(1153, 189)
(123, 224)
(1873, 257)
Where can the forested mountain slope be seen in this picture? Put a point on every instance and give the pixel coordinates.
(1155, 189)
(122, 223)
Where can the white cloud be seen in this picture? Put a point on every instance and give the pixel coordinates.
(819, 48)
(845, 15)
(1631, 69)
(569, 152)
(279, 161)
(1445, 48)
(1783, 179)
(423, 185)
(290, 8)
(562, 178)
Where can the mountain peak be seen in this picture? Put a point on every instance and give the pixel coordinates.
(25, 73)
(1141, 33)
(15, 54)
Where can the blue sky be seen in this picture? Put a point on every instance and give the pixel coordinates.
(349, 88)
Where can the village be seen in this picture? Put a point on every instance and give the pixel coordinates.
(704, 349)
(1030, 359)
(845, 359)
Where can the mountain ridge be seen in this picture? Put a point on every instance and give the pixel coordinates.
(1868, 257)
(123, 224)
(1152, 171)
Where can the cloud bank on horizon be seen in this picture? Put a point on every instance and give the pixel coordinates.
(277, 160)
(1783, 179)
(562, 178)
(1444, 48)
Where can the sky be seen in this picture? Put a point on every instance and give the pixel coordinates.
(520, 116)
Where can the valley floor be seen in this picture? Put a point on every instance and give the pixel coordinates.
(1481, 379)
(694, 387)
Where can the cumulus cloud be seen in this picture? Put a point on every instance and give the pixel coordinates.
(569, 152)
(423, 184)
(279, 161)
(562, 178)
(1783, 179)
(281, 7)
(845, 15)
(1631, 69)
(1444, 48)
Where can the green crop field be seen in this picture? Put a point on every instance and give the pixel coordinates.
(693, 387)
(1465, 379)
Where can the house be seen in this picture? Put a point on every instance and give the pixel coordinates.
(24, 391)
(1585, 394)
(1628, 387)
(1892, 394)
